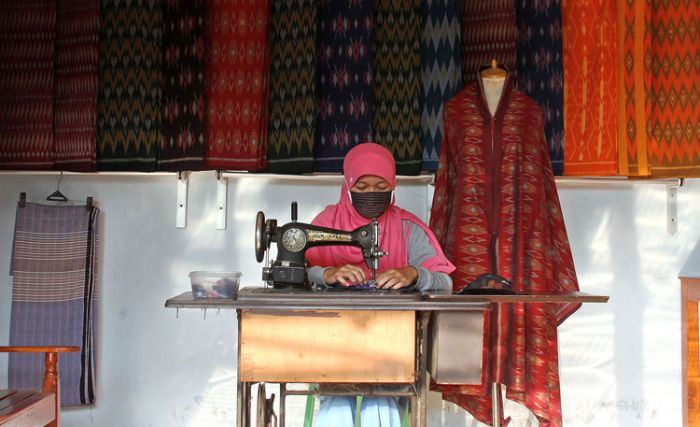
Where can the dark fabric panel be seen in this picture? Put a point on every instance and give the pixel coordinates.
(397, 77)
(346, 102)
(130, 83)
(183, 104)
(541, 69)
(293, 103)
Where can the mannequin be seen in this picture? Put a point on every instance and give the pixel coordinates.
(493, 80)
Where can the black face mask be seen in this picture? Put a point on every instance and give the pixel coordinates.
(371, 204)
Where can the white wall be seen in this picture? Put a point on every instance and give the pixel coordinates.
(620, 362)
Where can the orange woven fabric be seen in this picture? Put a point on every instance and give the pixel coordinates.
(659, 102)
(590, 87)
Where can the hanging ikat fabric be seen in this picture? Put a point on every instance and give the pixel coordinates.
(346, 101)
(183, 86)
(489, 31)
(541, 70)
(27, 84)
(130, 82)
(397, 82)
(237, 88)
(441, 74)
(76, 64)
(590, 89)
(659, 114)
(293, 105)
(496, 208)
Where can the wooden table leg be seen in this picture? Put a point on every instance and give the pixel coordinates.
(239, 404)
(242, 388)
(243, 404)
(413, 407)
(283, 401)
(420, 413)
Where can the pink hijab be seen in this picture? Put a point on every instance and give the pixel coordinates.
(371, 159)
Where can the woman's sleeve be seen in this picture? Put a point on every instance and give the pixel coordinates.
(419, 250)
(315, 275)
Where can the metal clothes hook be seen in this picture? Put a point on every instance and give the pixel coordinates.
(57, 196)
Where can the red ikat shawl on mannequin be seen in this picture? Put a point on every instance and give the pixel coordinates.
(495, 198)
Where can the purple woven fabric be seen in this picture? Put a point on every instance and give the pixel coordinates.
(54, 296)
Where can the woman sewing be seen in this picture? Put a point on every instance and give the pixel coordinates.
(414, 259)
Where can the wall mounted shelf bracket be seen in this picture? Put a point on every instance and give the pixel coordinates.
(672, 206)
(181, 208)
(221, 191)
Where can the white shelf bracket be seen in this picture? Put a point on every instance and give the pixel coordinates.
(221, 192)
(181, 208)
(672, 206)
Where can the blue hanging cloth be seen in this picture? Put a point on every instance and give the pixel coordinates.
(441, 74)
(346, 104)
(541, 69)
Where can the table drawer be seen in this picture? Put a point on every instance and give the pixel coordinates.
(354, 346)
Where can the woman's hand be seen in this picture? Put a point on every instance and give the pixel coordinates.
(346, 275)
(397, 278)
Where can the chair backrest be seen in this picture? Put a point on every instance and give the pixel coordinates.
(50, 383)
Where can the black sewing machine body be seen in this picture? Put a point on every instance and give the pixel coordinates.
(294, 238)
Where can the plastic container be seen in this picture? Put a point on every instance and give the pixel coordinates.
(215, 284)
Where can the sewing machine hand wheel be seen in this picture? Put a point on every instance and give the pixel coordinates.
(260, 237)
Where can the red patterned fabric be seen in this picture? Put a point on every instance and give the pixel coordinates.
(590, 87)
(496, 201)
(77, 57)
(237, 91)
(489, 31)
(27, 84)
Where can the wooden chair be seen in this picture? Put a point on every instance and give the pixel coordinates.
(34, 408)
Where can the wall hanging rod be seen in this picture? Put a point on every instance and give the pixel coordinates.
(611, 180)
(101, 173)
(333, 177)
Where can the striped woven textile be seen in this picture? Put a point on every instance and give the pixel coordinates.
(489, 31)
(183, 86)
(659, 63)
(441, 74)
(237, 88)
(54, 296)
(77, 60)
(346, 101)
(27, 37)
(541, 69)
(130, 83)
(590, 87)
(293, 105)
(397, 82)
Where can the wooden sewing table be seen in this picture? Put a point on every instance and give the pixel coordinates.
(349, 342)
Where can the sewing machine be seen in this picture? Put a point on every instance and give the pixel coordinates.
(294, 238)
(287, 336)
